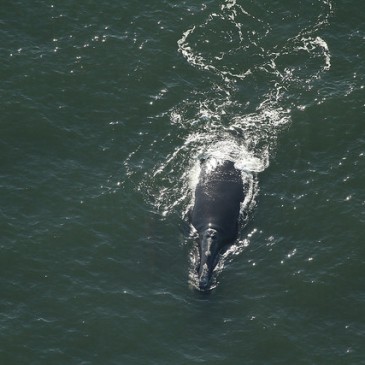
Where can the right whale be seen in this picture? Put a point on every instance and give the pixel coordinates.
(216, 213)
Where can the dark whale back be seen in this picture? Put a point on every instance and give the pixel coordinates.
(218, 196)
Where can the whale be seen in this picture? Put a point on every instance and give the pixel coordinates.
(215, 215)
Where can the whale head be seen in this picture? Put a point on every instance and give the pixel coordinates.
(210, 245)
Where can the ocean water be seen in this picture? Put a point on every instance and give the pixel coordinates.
(106, 109)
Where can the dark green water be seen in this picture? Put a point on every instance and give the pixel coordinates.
(105, 108)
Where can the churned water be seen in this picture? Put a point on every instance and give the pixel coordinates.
(106, 108)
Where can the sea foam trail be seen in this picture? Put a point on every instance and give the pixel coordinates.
(220, 127)
(253, 78)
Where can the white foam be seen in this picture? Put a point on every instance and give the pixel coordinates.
(214, 121)
(220, 128)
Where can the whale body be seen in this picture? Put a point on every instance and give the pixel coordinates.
(216, 213)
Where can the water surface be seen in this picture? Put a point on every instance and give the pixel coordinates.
(106, 109)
